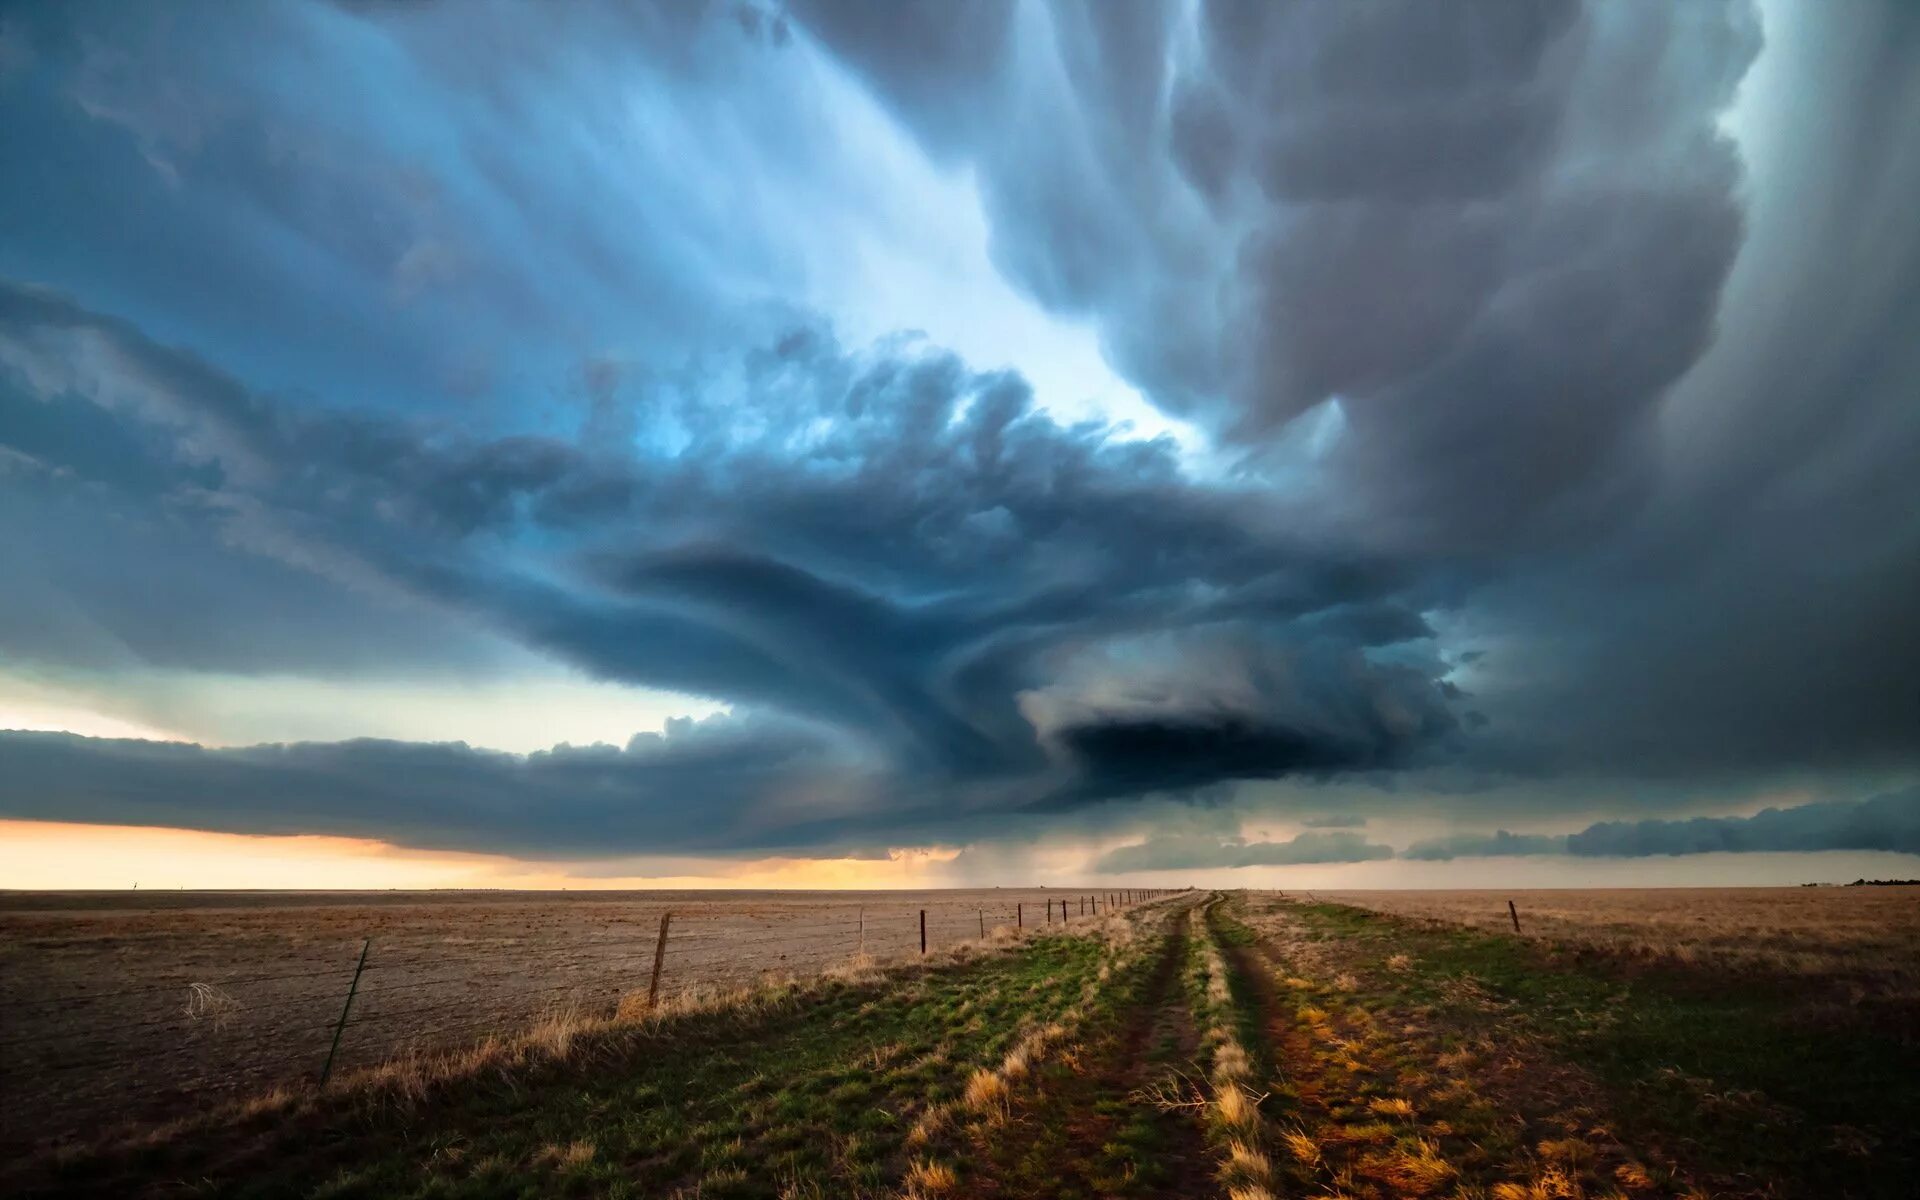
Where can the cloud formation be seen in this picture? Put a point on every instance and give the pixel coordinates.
(1194, 852)
(886, 545)
(1887, 822)
(1550, 370)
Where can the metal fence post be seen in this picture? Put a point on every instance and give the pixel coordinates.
(326, 1072)
(659, 959)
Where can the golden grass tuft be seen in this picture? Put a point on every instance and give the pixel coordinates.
(1551, 1184)
(1301, 1145)
(986, 1091)
(1017, 1063)
(1244, 1163)
(1236, 1109)
(1572, 1151)
(573, 1154)
(1419, 1170)
(928, 1178)
(1633, 1176)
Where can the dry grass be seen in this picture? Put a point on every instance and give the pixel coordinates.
(192, 986)
(1241, 1129)
(988, 1097)
(1867, 934)
(566, 1032)
(928, 1178)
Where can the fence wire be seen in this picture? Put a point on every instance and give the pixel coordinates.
(65, 1056)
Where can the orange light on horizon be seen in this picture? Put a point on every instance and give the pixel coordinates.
(64, 856)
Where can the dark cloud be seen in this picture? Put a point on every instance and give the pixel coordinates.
(962, 596)
(1183, 852)
(1529, 389)
(1889, 822)
(1508, 275)
(1335, 821)
(1484, 845)
(713, 786)
(1471, 227)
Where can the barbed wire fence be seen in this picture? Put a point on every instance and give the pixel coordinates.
(76, 1061)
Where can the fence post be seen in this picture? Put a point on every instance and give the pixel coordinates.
(1020, 916)
(327, 1071)
(1515, 914)
(923, 931)
(863, 929)
(659, 959)
(983, 922)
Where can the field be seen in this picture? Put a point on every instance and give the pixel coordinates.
(1866, 935)
(133, 1006)
(1239, 1044)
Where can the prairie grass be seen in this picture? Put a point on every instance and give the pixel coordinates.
(1239, 1130)
(1536, 1071)
(1868, 936)
(808, 1087)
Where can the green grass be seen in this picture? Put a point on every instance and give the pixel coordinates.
(1738, 1078)
(1079, 1132)
(813, 1098)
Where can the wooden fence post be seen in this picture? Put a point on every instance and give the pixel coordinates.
(1019, 916)
(923, 931)
(983, 922)
(1515, 914)
(346, 1008)
(659, 959)
(863, 930)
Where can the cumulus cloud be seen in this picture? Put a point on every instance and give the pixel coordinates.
(1182, 852)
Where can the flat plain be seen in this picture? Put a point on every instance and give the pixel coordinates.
(1868, 935)
(132, 1005)
(1240, 1044)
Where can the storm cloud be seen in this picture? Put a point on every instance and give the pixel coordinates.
(1538, 381)
(896, 584)
(1889, 822)
(1188, 852)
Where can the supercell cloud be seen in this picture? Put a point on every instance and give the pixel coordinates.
(1540, 383)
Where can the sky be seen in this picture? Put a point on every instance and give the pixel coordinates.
(814, 443)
